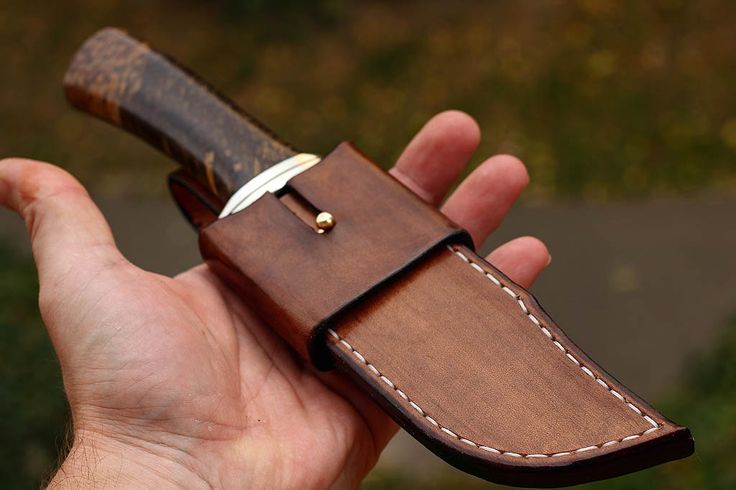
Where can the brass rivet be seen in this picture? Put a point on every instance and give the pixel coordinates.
(325, 222)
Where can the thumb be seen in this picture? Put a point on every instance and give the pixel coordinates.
(70, 239)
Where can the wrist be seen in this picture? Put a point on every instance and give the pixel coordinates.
(99, 461)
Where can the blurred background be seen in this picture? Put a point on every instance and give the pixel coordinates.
(622, 110)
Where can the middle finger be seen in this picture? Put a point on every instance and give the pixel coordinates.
(482, 200)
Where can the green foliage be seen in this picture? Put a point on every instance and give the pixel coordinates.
(33, 411)
(600, 98)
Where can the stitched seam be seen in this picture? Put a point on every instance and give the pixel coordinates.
(553, 340)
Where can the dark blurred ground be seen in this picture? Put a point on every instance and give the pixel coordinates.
(622, 110)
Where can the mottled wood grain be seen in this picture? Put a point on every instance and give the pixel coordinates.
(124, 82)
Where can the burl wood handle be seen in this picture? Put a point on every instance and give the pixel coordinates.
(123, 81)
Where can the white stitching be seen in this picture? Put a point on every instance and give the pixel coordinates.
(447, 431)
(588, 372)
(583, 449)
(417, 408)
(548, 334)
(490, 449)
(523, 306)
(493, 278)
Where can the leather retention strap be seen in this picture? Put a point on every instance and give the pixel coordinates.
(299, 280)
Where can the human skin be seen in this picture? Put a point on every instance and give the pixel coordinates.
(173, 382)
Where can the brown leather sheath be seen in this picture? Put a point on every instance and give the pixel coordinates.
(464, 359)
(395, 297)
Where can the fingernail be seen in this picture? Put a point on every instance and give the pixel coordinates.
(549, 259)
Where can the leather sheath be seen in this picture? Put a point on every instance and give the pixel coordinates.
(462, 358)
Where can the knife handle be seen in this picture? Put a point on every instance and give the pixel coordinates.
(124, 82)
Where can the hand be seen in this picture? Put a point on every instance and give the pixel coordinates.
(174, 383)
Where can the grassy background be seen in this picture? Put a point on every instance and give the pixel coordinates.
(602, 99)
(33, 410)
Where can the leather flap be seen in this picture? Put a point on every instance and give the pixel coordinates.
(297, 279)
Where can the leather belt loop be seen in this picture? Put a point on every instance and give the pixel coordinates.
(197, 203)
(297, 279)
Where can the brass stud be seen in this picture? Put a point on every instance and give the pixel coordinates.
(325, 222)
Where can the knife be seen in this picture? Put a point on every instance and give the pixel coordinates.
(356, 273)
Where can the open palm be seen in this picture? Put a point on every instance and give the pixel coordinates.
(174, 382)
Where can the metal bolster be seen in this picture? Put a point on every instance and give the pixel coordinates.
(270, 180)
